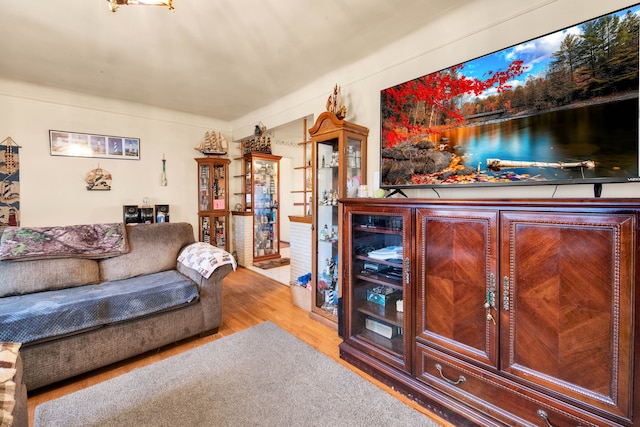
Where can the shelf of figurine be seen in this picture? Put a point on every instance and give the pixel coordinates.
(329, 234)
(329, 198)
(333, 161)
(327, 286)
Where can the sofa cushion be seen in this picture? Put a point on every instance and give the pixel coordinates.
(33, 317)
(152, 248)
(26, 277)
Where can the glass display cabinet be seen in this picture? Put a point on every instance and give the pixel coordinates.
(377, 279)
(262, 198)
(213, 201)
(339, 160)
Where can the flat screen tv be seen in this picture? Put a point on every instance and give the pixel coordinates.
(558, 109)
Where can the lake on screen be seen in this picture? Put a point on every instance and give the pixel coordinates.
(606, 133)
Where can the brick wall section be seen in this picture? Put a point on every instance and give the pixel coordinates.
(300, 255)
(243, 239)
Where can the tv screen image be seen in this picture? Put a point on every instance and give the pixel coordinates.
(558, 109)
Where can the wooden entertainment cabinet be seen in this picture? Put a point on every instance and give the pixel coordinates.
(512, 312)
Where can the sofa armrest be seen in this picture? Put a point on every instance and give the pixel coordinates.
(210, 291)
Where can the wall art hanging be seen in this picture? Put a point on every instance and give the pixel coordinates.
(163, 175)
(558, 109)
(98, 179)
(88, 145)
(9, 184)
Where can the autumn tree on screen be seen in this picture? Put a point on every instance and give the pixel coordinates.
(433, 102)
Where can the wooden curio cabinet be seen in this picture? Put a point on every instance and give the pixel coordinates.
(339, 160)
(213, 201)
(261, 192)
(515, 312)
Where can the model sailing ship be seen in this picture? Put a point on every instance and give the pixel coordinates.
(213, 144)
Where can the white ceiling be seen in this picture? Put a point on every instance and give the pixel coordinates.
(217, 58)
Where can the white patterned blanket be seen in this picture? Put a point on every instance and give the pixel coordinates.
(205, 258)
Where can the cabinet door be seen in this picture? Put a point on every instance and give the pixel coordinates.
(327, 186)
(219, 187)
(266, 225)
(353, 167)
(377, 277)
(212, 184)
(212, 201)
(248, 183)
(204, 186)
(213, 229)
(567, 307)
(456, 265)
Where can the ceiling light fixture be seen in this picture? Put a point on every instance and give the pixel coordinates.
(114, 5)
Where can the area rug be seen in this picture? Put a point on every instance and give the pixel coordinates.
(273, 263)
(262, 376)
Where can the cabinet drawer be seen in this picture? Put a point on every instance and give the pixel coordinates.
(496, 396)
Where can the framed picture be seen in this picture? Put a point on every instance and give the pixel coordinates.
(218, 204)
(558, 109)
(88, 145)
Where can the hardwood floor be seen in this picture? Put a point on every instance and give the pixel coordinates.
(248, 299)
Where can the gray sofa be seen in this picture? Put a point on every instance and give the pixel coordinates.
(52, 355)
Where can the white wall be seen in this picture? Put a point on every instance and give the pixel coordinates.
(479, 28)
(286, 205)
(52, 188)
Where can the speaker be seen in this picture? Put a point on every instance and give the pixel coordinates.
(130, 214)
(146, 215)
(162, 213)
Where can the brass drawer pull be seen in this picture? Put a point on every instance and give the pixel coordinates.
(461, 379)
(542, 414)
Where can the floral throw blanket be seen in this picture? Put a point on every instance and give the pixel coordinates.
(205, 258)
(77, 241)
(8, 358)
